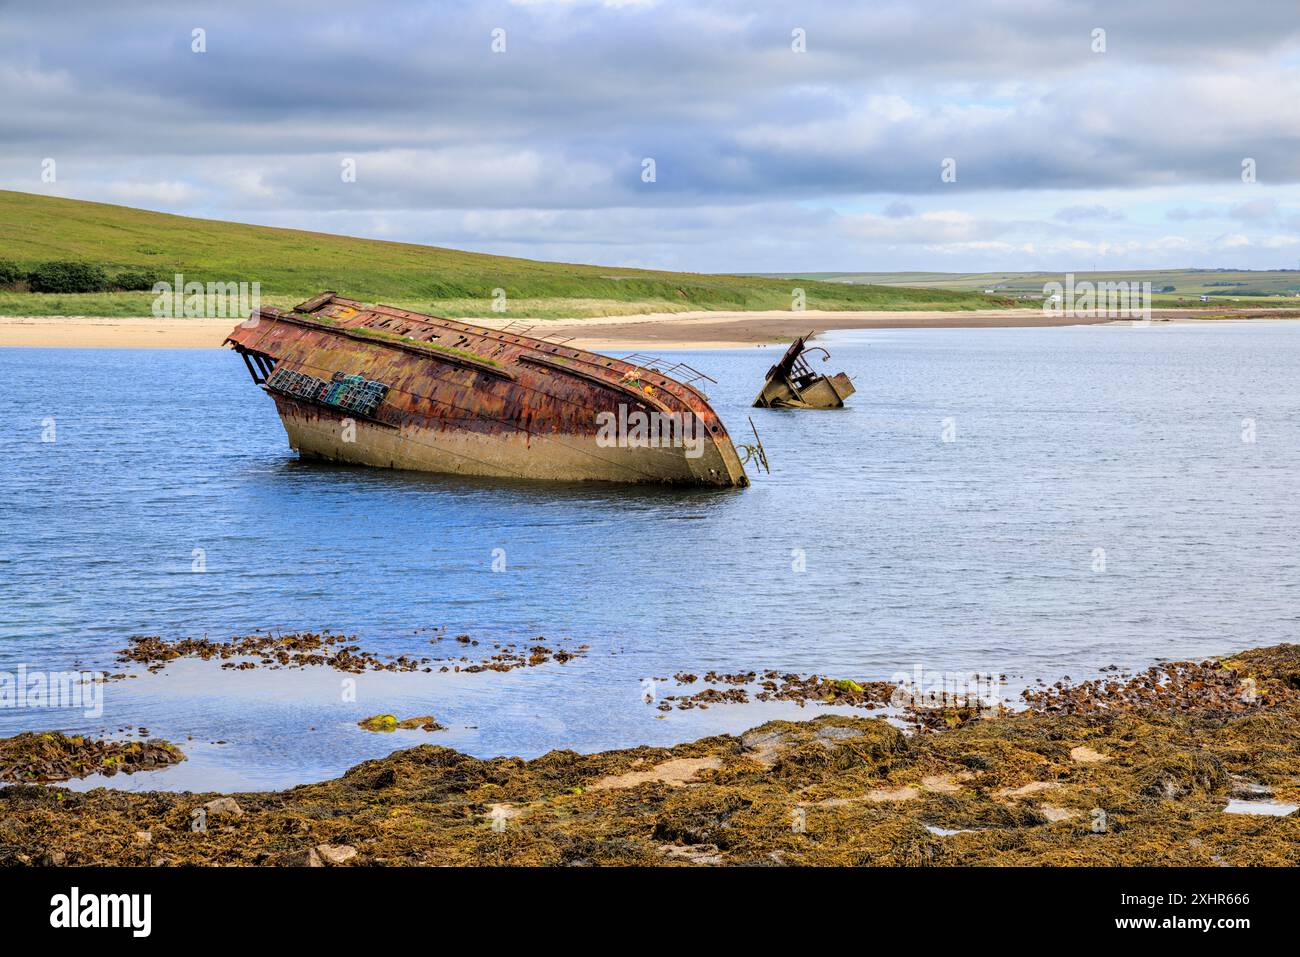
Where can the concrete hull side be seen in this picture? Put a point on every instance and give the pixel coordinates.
(319, 433)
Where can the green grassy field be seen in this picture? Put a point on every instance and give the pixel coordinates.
(1169, 287)
(292, 265)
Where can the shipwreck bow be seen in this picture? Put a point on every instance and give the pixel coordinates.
(375, 385)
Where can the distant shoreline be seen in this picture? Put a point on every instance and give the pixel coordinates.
(695, 330)
(685, 330)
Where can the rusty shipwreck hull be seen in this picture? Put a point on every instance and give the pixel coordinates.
(464, 399)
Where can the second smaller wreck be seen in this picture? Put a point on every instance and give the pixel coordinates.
(792, 384)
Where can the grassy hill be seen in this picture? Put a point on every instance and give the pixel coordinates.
(1169, 287)
(294, 264)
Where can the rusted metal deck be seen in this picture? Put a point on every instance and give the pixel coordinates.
(460, 398)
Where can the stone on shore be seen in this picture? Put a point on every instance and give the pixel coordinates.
(336, 853)
(224, 807)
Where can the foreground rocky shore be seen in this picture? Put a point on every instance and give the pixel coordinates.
(1106, 773)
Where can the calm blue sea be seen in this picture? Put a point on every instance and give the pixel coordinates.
(1169, 455)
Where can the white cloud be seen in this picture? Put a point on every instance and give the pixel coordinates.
(767, 159)
(162, 193)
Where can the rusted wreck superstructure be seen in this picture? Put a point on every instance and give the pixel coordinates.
(375, 385)
(792, 384)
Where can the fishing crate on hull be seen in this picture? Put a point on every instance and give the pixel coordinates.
(352, 393)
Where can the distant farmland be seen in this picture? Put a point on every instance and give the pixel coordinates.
(1169, 287)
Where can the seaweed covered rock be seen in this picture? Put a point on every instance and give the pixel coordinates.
(1023, 788)
(835, 743)
(40, 757)
(1182, 773)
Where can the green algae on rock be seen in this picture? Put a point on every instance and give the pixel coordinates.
(389, 722)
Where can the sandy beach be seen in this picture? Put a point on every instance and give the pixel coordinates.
(682, 330)
(696, 330)
(729, 330)
(83, 332)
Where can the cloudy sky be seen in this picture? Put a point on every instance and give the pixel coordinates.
(784, 137)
